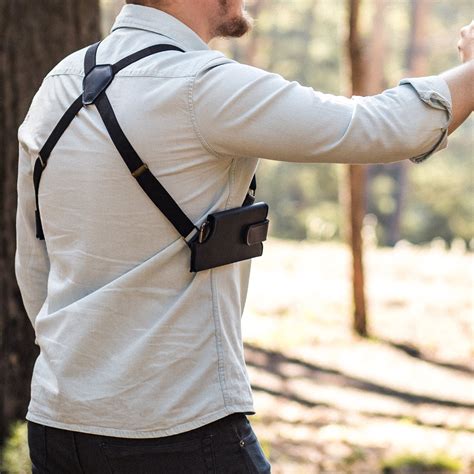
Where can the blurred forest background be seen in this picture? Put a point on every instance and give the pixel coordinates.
(400, 400)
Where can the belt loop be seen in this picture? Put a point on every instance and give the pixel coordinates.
(208, 454)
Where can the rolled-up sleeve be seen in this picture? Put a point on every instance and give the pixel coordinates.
(242, 111)
(434, 92)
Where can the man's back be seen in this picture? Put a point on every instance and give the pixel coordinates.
(129, 335)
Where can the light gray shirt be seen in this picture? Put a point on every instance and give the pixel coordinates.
(132, 343)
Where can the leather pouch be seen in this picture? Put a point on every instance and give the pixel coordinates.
(230, 236)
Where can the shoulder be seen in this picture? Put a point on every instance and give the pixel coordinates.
(169, 64)
(199, 61)
(178, 64)
(71, 64)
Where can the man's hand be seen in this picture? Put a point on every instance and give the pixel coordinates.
(466, 43)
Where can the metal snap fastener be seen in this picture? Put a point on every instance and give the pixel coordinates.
(242, 443)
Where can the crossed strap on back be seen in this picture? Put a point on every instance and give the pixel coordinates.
(96, 81)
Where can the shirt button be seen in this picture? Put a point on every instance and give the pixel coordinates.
(242, 443)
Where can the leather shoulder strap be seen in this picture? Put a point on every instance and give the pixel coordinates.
(138, 169)
(96, 81)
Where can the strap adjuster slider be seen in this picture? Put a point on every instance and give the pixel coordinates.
(139, 171)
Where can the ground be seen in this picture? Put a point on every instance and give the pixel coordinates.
(331, 402)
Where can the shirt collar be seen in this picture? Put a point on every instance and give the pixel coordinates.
(157, 21)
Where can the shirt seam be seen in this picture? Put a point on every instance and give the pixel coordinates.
(218, 338)
(231, 184)
(122, 74)
(204, 143)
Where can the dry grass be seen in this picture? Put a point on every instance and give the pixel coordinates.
(328, 401)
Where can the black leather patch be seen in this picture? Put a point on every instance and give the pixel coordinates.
(96, 82)
(257, 233)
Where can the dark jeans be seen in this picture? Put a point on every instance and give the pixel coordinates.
(226, 446)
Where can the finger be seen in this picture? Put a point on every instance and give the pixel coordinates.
(466, 30)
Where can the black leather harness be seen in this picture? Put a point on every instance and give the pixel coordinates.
(249, 221)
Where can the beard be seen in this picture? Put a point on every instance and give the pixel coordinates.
(233, 27)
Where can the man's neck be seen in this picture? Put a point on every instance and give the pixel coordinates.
(191, 14)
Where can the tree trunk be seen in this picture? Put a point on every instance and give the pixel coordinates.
(357, 176)
(251, 50)
(34, 36)
(417, 57)
(416, 65)
(377, 50)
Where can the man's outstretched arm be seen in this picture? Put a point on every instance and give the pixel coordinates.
(246, 112)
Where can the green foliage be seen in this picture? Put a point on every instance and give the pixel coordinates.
(441, 193)
(304, 199)
(356, 457)
(15, 456)
(439, 463)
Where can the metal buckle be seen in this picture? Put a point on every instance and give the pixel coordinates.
(139, 171)
(204, 232)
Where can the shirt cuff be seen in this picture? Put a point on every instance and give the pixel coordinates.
(433, 91)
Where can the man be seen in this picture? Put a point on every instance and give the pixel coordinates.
(141, 366)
